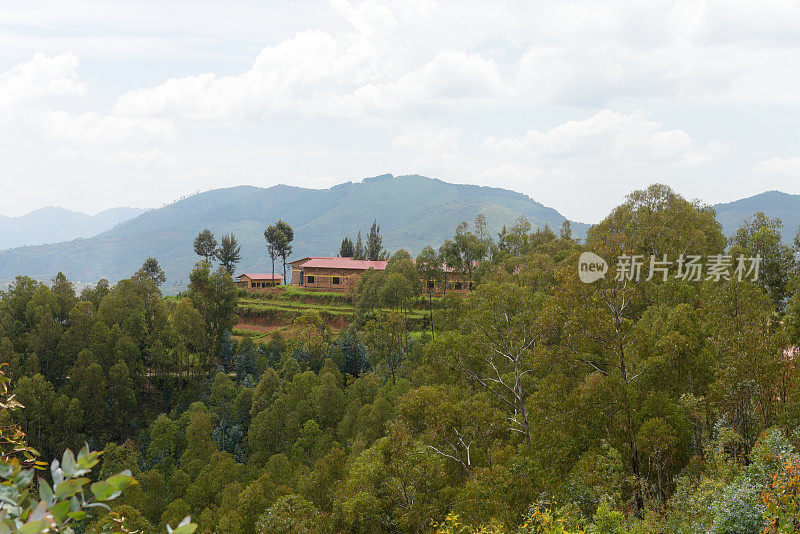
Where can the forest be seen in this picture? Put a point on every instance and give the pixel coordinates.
(535, 403)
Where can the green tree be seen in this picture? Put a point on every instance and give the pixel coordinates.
(152, 270)
(429, 264)
(121, 398)
(291, 514)
(205, 245)
(359, 253)
(229, 253)
(387, 343)
(275, 239)
(499, 347)
(566, 230)
(64, 292)
(214, 295)
(285, 249)
(599, 317)
(374, 248)
(347, 249)
(761, 236)
(279, 237)
(451, 423)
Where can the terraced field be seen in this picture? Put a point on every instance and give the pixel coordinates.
(264, 313)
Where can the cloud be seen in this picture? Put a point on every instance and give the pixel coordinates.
(314, 74)
(367, 17)
(40, 81)
(36, 97)
(94, 138)
(609, 136)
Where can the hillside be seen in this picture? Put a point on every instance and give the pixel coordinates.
(413, 211)
(54, 225)
(784, 206)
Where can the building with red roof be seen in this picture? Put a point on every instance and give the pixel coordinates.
(258, 280)
(330, 272)
(334, 273)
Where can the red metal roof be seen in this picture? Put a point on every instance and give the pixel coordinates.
(261, 276)
(344, 263)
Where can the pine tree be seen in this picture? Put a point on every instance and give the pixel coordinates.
(359, 252)
(375, 249)
(347, 250)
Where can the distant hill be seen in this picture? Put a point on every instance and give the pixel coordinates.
(413, 211)
(54, 225)
(773, 203)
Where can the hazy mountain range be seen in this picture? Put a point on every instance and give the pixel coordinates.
(784, 206)
(54, 225)
(413, 211)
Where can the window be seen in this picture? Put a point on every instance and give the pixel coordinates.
(335, 280)
(430, 284)
(309, 279)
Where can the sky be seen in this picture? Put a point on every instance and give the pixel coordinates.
(574, 103)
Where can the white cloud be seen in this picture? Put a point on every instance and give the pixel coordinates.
(36, 96)
(39, 81)
(609, 136)
(314, 74)
(308, 74)
(339, 89)
(367, 17)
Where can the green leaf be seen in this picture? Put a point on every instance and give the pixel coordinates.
(80, 515)
(6, 470)
(68, 488)
(57, 473)
(34, 527)
(60, 511)
(121, 481)
(45, 492)
(68, 463)
(103, 491)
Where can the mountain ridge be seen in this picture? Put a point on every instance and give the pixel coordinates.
(412, 210)
(773, 203)
(53, 224)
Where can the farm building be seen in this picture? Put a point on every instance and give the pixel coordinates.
(329, 273)
(258, 280)
(333, 273)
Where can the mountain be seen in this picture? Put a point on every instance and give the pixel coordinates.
(54, 225)
(412, 211)
(774, 204)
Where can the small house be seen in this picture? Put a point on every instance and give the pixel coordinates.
(255, 281)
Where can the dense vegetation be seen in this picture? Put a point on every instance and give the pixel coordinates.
(536, 403)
